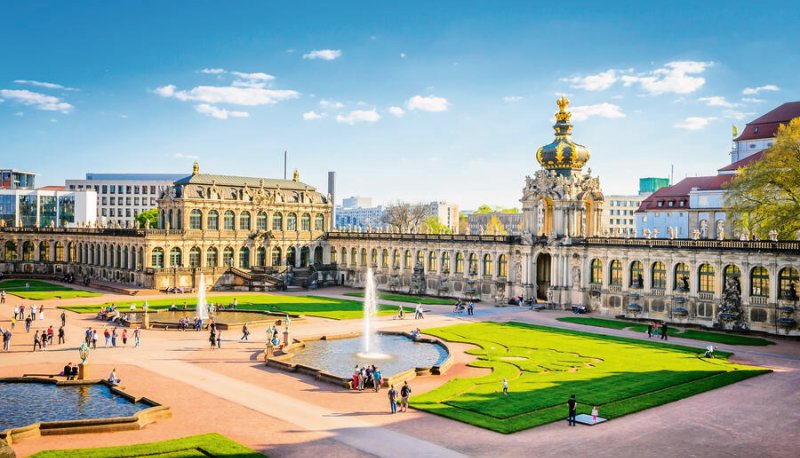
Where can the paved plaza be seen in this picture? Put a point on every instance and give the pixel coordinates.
(281, 414)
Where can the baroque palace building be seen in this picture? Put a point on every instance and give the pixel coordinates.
(243, 233)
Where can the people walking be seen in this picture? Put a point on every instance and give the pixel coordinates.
(392, 399)
(50, 334)
(219, 338)
(63, 319)
(124, 337)
(505, 387)
(94, 338)
(136, 333)
(649, 330)
(36, 342)
(61, 335)
(7, 340)
(572, 405)
(16, 308)
(41, 312)
(33, 312)
(3, 297)
(107, 335)
(377, 378)
(114, 337)
(405, 394)
(471, 309)
(213, 339)
(28, 324)
(245, 332)
(664, 331)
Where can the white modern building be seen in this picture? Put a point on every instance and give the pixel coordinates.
(446, 213)
(359, 217)
(357, 202)
(122, 196)
(619, 218)
(47, 208)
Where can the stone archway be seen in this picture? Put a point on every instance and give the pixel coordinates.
(542, 275)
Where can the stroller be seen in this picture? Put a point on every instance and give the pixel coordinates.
(459, 307)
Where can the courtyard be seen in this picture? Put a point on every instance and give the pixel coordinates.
(664, 394)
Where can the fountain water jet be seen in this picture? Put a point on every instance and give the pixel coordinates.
(370, 348)
(202, 306)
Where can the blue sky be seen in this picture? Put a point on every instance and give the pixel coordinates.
(413, 100)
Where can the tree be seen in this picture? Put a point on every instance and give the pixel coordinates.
(510, 210)
(483, 209)
(405, 216)
(434, 226)
(148, 215)
(495, 227)
(463, 223)
(765, 195)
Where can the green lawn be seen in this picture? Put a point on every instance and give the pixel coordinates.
(695, 334)
(544, 366)
(41, 290)
(406, 298)
(204, 445)
(324, 307)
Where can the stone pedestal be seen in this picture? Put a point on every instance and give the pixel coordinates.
(286, 340)
(146, 320)
(83, 371)
(269, 352)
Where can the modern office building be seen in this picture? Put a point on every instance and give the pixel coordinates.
(447, 214)
(357, 202)
(17, 179)
(122, 196)
(360, 217)
(47, 208)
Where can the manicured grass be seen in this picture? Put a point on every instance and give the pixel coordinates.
(544, 366)
(41, 290)
(695, 334)
(405, 298)
(193, 446)
(324, 307)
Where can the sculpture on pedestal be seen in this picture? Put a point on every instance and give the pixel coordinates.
(417, 286)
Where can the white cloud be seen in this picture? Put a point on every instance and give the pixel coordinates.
(756, 90)
(694, 123)
(234, 95)
(512, 98)
(357, 116)
(598, 82)
(429, 103)
(752, 100)
(603, 110)
(330, 104)
(674, 77)
(44, 85)
(192, 157)
(738, 115)
(258, 76)
(36, 100)
(213, 71)
(324, 54)
(397, 111)
(219, 113)
(717, 101)
(312, 115)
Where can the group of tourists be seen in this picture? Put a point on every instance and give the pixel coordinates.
(215, 335)
(460, 307)
(43, 339)
(405, 394)
(658, 329)
(367, 376)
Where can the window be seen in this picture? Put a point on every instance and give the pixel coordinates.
(213, 221)
(616, 273)
(244, 258)
(407, 259)
(731, 272)
(660, 203)
(136, 189)
(659, 280)
(759, 282)
(363, 257)
(194, 257)
(681, 272)
(244, 221)
(305, 222)
(227, 257)
(787, 282)
(445, 262)
(10, 251)
(373, 257)
(277, 221)
(334, 253)
(487, 264)
(175, 257)
(758, 315)
(636, 277)
(112, 200)
(385, 259)
(195, 219)
(420, 259)
(44, 252)
(597, 272)
(353, 257)
(112, 189)
(276, 256)
(473, 264)
(502, 266)
(157, 258)
(319, 222)
(432, 264)
(261, 221)
(706, 281)
(459, 263)
(211, 257)
(704, 309)
(261, 256)
(227, 222)
(291, 222)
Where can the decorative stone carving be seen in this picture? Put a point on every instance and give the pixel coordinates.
(696, 234)
(773, 235)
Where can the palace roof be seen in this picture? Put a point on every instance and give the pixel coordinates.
(676, 197)
(251, 182)
(766, 126)
(731, 168)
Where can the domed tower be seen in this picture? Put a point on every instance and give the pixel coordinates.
(561, 200)
(563, 155)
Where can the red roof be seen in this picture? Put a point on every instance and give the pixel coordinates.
(52, 188)
(767, 125)
(743, 162)
(679, 192)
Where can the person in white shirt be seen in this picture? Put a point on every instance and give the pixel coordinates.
(112, 377)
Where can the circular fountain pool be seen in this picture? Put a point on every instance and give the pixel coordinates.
(397, 354)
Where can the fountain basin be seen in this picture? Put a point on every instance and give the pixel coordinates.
(34, 407)
(225, 319)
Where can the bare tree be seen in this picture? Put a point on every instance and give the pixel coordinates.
(405, 216)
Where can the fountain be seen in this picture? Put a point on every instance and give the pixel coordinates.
(370, 348)
(202, 306)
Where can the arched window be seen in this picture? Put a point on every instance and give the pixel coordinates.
(596, 277)
(277, 221)
(396, 259)
(195, 219)
(44, 252)
(432, 261)
(175, 257)
(157, 258)
(353, 257)
(194, 257)
(385, 258)
(681, 274)
(10, 251)
(244, 258)
(291, 256)
(637, 275)
(244, 221)
(27, 251)
(319, 222)
(228, 220)
(487, 264)
(759, 282)
(261, 221)
(276, 256)
(333, 255)
(363, 259)
(213, 221)
(615, 270)
(305, 222)
(445, 262)
(227, 256)
(373, 257)
(212, 256)
(343, 256)
(459, 263)
(59, 252)
(473, 264)
(731, 272)
(788, 278)
(291, 222)
(72, 251)
(420, 259)
(407, 260)
(659, 280)
(705, 282)
(502, 266)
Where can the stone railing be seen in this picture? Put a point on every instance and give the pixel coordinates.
(760, 300)
(78, 231)
(386, 236)
(705, 296)
(762, 245)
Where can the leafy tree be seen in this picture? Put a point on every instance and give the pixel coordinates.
(483, 209)
(510, 210)
(148, 215)
(765, 195)
(434, 226)
(495, 227)
(463, 223)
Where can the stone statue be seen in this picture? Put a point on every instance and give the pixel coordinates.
(704, 229)
(576, 277)
(417, 285)
(773, 235)
(684, 283)
(83, 351)
(730, 310)
(790, 294)
(655, 233)
(720, 229)
(646, 233)
(696, 234)
(671, 233)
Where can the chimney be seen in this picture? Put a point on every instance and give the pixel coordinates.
(332, 195)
